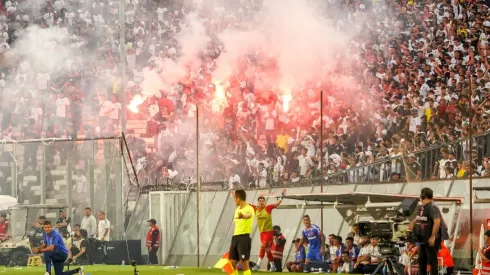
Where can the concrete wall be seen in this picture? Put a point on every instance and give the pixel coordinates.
(216, 219)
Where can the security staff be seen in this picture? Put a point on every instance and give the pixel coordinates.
(430, 230)
(153, 241)
(277, 249)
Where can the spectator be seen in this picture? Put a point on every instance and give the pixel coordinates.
(89, 223)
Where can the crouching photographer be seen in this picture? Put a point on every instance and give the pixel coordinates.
(430, 230)
(299, 259)
(79, 249)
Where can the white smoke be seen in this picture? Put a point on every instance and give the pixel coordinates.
(295, 34)
(44, 49)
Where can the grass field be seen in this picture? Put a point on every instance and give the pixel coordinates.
(122, 270)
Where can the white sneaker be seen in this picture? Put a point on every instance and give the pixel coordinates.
(47, 273)
(80, 272)
(256, 268)
(272, 269)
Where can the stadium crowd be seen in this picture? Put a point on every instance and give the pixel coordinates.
(420, 65)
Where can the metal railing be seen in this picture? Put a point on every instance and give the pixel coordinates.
(387, 169)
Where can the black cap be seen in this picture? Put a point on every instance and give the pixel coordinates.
(153, 221)
(3, 215)
(276, 227)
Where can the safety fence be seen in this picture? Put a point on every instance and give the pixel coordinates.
(91, 172)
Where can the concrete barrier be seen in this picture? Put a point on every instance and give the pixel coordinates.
(217, 208)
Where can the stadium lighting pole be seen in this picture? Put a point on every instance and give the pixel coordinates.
(122, 45)
(470, 157)
(321, 156)
(198, 188)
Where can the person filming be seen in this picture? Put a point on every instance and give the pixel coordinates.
(430, 230)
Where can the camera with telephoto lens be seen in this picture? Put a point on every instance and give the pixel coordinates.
(392, 232)
(390, 240)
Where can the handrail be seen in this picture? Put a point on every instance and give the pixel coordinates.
(388, 159)
(339, 174)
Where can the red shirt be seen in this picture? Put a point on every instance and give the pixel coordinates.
(3, 228)
(169, 104)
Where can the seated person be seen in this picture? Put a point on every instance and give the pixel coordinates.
(447, 259)
(351, 248)
(300, 256)
(347, 263)
(337, 257)
(413, 250)
(363, 256)
(79, 249)
(374, 257)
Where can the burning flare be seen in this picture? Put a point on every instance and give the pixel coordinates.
(285, 102)
(220, 92)
(135, 102)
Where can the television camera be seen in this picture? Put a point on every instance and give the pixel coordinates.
(392, 233)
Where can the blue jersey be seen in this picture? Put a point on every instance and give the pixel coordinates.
(300, 254)
(54, 238)
(313, 235)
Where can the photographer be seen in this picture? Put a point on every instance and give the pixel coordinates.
(277, 249)
(79, 248)
(429, 229)
(300, 256)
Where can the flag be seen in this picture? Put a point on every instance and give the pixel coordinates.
(225, 264)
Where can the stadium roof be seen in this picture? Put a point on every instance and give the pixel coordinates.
(356, 198)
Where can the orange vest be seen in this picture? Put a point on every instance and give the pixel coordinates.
(3, 229)
(149, 237)
(485, 269)
(445, 254)
(277, 250)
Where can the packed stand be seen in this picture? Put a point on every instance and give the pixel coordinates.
(419, 66)
(414, 63)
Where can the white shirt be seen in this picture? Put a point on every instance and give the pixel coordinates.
(333, 252)
(37, 113)
(42, 81)
(414, 122)
(160, 13)
(191, 111)
(90, 225)
(373, 253)
(233, 179)
(269, 120)
(278, 169)
(105, 108)
(304, 164)
(442, 168)
(102, 225)
(263, 178)
(61, 104)
(116, 108)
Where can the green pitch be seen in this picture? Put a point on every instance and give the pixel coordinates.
(122, 270)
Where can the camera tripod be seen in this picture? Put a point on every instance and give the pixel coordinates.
(393, 266)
